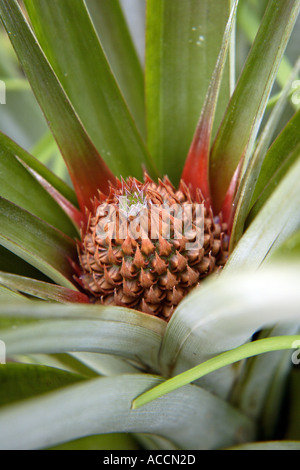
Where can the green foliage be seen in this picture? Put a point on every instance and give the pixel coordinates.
(73, 368)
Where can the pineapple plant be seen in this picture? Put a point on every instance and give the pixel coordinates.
(129, 338)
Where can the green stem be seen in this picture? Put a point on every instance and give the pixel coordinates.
(245, 351)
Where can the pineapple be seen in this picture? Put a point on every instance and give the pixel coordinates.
(123, 336)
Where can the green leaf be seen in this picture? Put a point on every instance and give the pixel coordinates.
(229, 357)
(20, 381)
(272, 445)
(249, 21)
(239, 127)
(278, 219)
(205, 324)
(259, 387)
(252, 174)
(111, 27)
(47, 152)
(293, 425)
(280, 157)
(183, 40)
(108, 365)
(36, 242)
(103, 406)
(135, 12)
(94, 94)
(289, 250)
(20, 187)
(42, 290)
(273, 182)
(38, 167)
(101, 442)
(20, 101)
(9, 295)
(195, 173)
(87, 170)
(85, 328)
(11, 263)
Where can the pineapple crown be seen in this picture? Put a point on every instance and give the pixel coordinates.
(136, 253)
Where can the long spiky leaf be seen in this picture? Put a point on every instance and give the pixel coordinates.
(239, 127)
(87, 170)
(196, 168)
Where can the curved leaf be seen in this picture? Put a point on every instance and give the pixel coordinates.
(229, 357)
(85, 328)
(108, 365)
(253, 391)
(103, 406)
(205, 324)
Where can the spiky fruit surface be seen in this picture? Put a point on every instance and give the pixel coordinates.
(134, 253)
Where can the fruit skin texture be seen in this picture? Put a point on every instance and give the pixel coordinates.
(136, 253)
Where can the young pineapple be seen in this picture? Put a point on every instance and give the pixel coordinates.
(126, 298)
